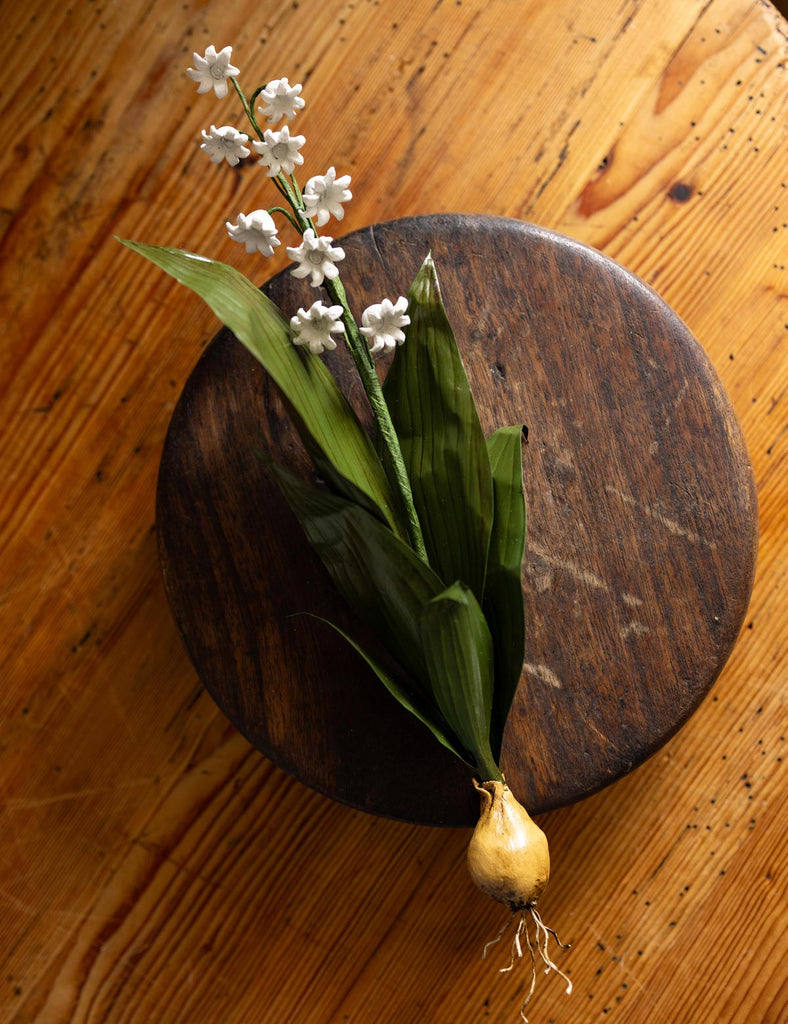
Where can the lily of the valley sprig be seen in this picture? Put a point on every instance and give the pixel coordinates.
(422, 526)
(316, 258)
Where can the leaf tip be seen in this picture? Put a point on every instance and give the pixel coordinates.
(428, 267)
(425, 287)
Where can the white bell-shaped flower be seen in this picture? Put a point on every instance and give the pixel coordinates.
(279, 151)
(324, 195)
(316, 257)
(256, 230)
(225, 143)
(313, 327)
(281, 100)
(382, 324)
(213, 70)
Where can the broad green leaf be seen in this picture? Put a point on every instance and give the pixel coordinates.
(459, 654)
(503, 594)
(426, 714)
(441, 438)
(305, 382)
(342, 486)
(379, 576)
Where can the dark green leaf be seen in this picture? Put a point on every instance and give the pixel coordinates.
(503, 594)
(459, 654)
(305, 382)
(418, 707)
(442, 441)
(380, 577)
(342, 486)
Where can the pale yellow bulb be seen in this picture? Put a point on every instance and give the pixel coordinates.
(508, 855)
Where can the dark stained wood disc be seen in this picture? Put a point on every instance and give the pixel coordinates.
(642, 527)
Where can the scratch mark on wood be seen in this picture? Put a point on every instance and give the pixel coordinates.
(632, 629)
(543, 673)
(674, 528)
(584, 575)
(598, 732)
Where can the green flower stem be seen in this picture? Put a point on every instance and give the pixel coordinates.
(280, 181)
(356, 344)
(297, 189)
(247, 107)
(372, 386)
(359, 350)
(371, 382)
(295, 201)
(286, 213)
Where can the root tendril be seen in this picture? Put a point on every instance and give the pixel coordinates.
(539, 944)
(498, 937)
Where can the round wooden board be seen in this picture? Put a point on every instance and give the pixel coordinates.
(642, 527)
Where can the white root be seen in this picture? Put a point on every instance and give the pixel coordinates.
(516, 948)
(498, 937)
(539, 944)
(545, 933)
(533, 973)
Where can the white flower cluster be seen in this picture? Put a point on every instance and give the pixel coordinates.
(322, 198)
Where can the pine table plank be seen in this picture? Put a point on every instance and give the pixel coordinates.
(153, 867)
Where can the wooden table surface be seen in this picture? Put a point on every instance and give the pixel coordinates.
(154, 867)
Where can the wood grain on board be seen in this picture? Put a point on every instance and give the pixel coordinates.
(153, 866)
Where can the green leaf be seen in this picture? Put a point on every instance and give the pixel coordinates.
(441, 438)
(503, 594)
(340, 485)
(307, 385)
(459, 652)
(379, 576)
(425, 713)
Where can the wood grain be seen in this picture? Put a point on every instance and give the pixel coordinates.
(153, 867)
(642, 540)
